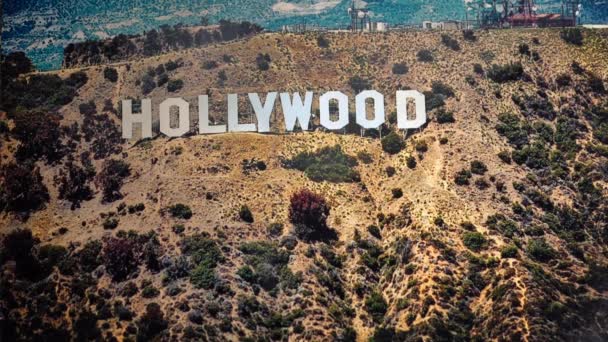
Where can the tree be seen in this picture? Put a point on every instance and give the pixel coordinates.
(110, 74)
(309, 209)
(22, 189)
(393, 143)
(119, 257)
(111, 178)
(400, 69)
(152, 43)
(151, 323)
(39, 134)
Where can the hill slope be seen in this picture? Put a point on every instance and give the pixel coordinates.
(497, 230)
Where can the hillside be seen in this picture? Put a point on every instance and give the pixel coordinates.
(489, 225)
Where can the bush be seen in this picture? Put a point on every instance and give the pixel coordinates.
(572, 36)
(425, 56)
(478, 69)
(263, 61)
(444, 116)
(151, 323)
(17, 245)
(400, 69)
(245, 214)
(506, 73)
(89, 256)
(421, 146)
(147, 84)
(110, 222)
(462, 177)
(309, 209)
(150, 292)
(441, 88)
(206, 255)
(390, 171)
(505, 156)
(275, 229)
(327, 164)
(509, 251)
(450, 42)
(478, 167)
(410, 161)
(539, 250)
(510, 127)
(73, 185)
(322, 42)
(111, 178)
(469, 35)
(474, 241)
(376, 306)
(397, 193)
(119, 257)
(39, 134)
(180, 211)
(359, 84)
(365, 157)
(393, 143)
(374, 231)
(175, 85)
(110, 74)
(22, 189)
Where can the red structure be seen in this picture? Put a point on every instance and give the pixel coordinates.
(522, 13)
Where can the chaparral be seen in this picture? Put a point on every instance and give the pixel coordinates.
(295, 109)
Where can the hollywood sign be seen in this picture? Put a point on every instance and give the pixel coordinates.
(295, 109)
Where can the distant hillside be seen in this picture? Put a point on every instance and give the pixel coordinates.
(489, 223)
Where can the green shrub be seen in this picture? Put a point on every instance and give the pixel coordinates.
(149, 292)
(359, 84)
(245, 214)
(509, 251)
(206, 255)
(275, 229)
(478, 69)
(421, 146)
(110, 222)
(505, 156)
(441, 88)
(511, 127)
(376, 306)
(110, 74)
(175, 85)
(478, 167)
(400, 69)
(374, 231)
(322, 42)
(410, 161)
(462, 177)
(539, 250)
(425, 56)
(444, 116)
(506, 73)
(263, 61)
(450, 42)
(572, 36)
(326, 164)
(474, 241)
(246, 273)
(397, 193)
(365, 157)
(469, 35)
(393, 143)
(180, 211)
